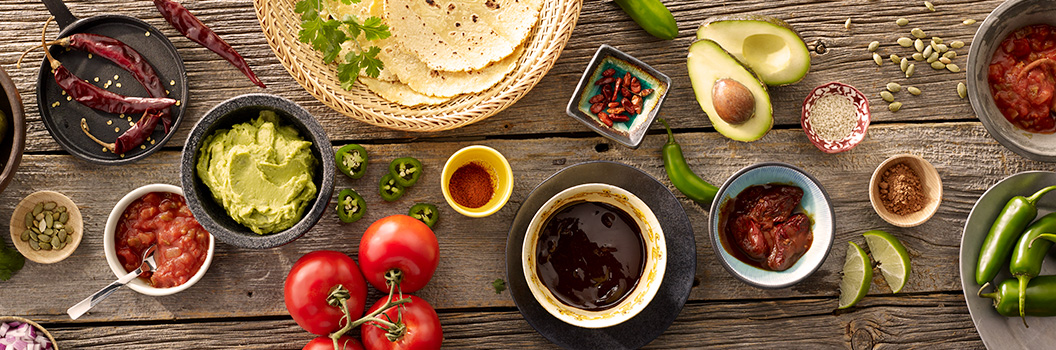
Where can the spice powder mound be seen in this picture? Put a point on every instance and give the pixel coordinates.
(901, 191)
(471, 186)
(833, 117)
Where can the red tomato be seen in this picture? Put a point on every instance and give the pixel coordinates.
(325, 343)
(309, 283)
(402, 243)
(422, 327)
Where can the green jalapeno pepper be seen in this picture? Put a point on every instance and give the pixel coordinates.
(425, 212)
(389, 189)
(405, 171)
(350, 206)
(1040, 297)
(681, 175)
(1028, 255)
(352, 160)
(1016, 215)
(652, 16)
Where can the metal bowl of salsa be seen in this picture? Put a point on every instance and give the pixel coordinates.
(1007, 59)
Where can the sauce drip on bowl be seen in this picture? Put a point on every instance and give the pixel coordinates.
(590, 255)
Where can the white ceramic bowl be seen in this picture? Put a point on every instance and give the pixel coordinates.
(110, 249)
(652, 275)
(815, 203)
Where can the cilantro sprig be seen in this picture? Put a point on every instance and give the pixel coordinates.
(326, 35)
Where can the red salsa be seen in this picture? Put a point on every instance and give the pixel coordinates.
(760, 228)
(162, 218)
(1021, 77)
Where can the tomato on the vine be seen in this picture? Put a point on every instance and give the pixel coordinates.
(325, 343)
(418, 327)
(312, 281)
(400, 244)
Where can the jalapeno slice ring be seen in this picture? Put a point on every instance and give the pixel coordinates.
(425, 212)
(406, 171)
(350, 206)
(352, 160)
(389, 188)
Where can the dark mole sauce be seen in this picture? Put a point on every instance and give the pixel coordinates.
(590, 255)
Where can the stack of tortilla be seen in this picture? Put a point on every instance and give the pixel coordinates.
(440, 49)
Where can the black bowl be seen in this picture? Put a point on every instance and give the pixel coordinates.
(241, 109)
(13, 141)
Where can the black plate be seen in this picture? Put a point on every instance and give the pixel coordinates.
(63, 121)
(678, 278)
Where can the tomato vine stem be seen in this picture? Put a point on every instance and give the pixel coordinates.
(339, 296)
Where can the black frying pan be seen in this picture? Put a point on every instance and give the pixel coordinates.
(63, 120)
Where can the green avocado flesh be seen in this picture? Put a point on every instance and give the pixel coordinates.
(767, 45)
(709, 63)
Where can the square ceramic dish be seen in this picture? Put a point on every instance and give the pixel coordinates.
(629, 133)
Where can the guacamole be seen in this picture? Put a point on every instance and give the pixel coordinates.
(260, 172)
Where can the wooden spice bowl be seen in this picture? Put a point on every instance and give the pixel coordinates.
(930, 182)
(74, 225)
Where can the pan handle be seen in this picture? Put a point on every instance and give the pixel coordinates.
(61, 12)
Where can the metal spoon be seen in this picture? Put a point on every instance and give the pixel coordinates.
(147, 265)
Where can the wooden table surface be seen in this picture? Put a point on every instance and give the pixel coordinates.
(238, 304)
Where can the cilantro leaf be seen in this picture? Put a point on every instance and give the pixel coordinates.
(326, 35)
(369, 61)
(10, 261)
(499, 285)
(309, 9)
(374, 28)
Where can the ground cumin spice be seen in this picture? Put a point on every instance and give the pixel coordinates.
(901, 191)
(471, 186)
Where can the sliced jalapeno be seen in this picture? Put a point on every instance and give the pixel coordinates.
(352, 160)
(406, 171)
(389, 189)
(350, 206)
(425, 212)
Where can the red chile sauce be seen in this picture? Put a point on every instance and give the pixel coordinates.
(163, 218)
(1021, 77)
(590, 255)
(759, 228)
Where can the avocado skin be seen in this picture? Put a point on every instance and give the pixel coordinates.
(708, 63)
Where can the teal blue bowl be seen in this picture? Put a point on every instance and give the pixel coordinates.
(815, 203)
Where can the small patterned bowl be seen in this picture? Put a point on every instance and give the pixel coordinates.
(861, 104)
(815, 203)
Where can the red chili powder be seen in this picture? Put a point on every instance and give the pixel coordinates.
(471, 186)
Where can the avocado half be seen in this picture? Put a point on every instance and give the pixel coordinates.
(768, 45)
(709, 63)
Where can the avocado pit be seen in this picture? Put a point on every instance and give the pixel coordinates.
(733, 102)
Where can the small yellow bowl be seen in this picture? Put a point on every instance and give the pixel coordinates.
(497, 167)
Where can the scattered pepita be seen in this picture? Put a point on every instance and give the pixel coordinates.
(938, 65)
(936, 40)
(957, 44)
(953, 68)
(847, 24)
(894, 87)
(894, 58)
(927, 51)
(902, 22)
(919, 45)
(941, 48)
(894, 106)
(903, 64)
(876, 58)
(968, 22)
(910, 70)
(918, 56)
(887, 96)
(934, 57)
(950, 54)
(873, 46)
(962, 90)
(918, 33)
(930, 6)
(913, 90)
(904, 42)
(945, 60)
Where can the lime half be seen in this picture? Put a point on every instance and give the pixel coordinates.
(857, 275)
(892, 256)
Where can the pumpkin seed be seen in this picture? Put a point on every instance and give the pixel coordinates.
(950, 54)
(876, 58)
(49, 232)
(957, 44)
(58, 226)
(927, 51)
(38, 208)
(45, 246)
(49, 221)
(62, 209)
(29, 219)
(34, 245)
(894, 58)
(938, 65)
(934, 57)
(909, 70)
(49, 206)
(847, 24)
(918, 56)
(887, 96)
(43, 238)
(894, 87)
(904, 42)
(941, 48)
(873, 46)
(945, 60)
(903, 64)
(919, 45)
(918, 33)
(55, 242)
(38, 217)
(953, 68)
(64, 217)
(913, 90)
(968, 22)
(894, 106)
(24, 236)
(40, 225)
(61, 245)
(35, 230)
(62, 235)
(902, 22)
(929, 5)
(936, 40)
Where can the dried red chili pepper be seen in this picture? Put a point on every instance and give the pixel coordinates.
(132, 137)
(96, 97)
(194, 29)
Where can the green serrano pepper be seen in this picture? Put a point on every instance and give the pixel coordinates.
(678, 171)
(1016, 215)
(1028, 255)
(1040, 297)
(652, 16)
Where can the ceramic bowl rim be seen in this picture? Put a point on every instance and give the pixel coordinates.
(930, 209)
(852, 139)
(17, 124)
(111, 251)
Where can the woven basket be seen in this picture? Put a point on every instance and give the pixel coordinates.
(544, 45)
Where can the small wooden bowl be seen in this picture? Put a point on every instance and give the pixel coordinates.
(929, 180)
(74, 222)
(54, 345)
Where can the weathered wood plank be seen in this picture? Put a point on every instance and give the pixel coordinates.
(248, 282)
(934, 321)
(541, 111)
